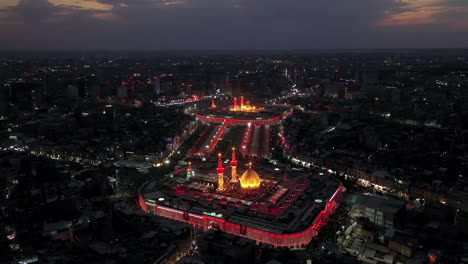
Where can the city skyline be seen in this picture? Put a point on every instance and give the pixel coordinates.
(234, 131)
(232, 25)
(335, 157)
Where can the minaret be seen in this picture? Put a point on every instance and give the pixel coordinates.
(189, 171)
(220, 174)
(234, 166)
(242, 102)
(213, 105)
(235, 103)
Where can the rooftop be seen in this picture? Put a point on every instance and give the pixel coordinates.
(386, 204)
(283, 203)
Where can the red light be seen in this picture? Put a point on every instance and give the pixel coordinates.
(133, 89)
(142, 203)
(11, 236)
(432, 257)
(107, 81)
(155, 77)
(181, 191)
(126, 83)
(279, 240)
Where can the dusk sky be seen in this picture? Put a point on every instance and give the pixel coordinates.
(232, 24)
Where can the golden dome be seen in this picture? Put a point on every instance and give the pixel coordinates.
(250, 179)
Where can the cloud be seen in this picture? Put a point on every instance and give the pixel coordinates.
(460, 25)
(96, 9)
(8, 3)
(83, 4)
(425, 12)
(232, 24)
(33, 11)
(107, 16)
(8, 20)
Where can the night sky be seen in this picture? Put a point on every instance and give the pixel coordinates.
(232, 24)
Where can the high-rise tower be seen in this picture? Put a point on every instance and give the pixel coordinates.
(234, 166)
(157, 85)
(122, 91)
(220, 171)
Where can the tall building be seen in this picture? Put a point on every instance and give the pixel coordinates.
(379, 210)
(375, 91)
(367, 77)
(94, 90)
(393, 95)
(107, 90)
(189, 89)
(51, 84)
(82, 87)
(157, 85)
(37, 96)
(4, 102)
(122, 91)
(319, 117)
(336, 89)
(99, 73)
(72, 91)
(109, 112)
(169, 88)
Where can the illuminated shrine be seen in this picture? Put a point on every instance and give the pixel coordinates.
(269, 204)
(274, 209)
(242, 113)
(244, 107)
(250, 179)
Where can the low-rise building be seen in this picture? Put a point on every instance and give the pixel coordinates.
(379, 210)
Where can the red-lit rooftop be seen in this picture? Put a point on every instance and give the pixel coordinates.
(290, 207)
(242, 114)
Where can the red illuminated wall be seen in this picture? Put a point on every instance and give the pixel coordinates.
(234, 121)
(279, 240)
